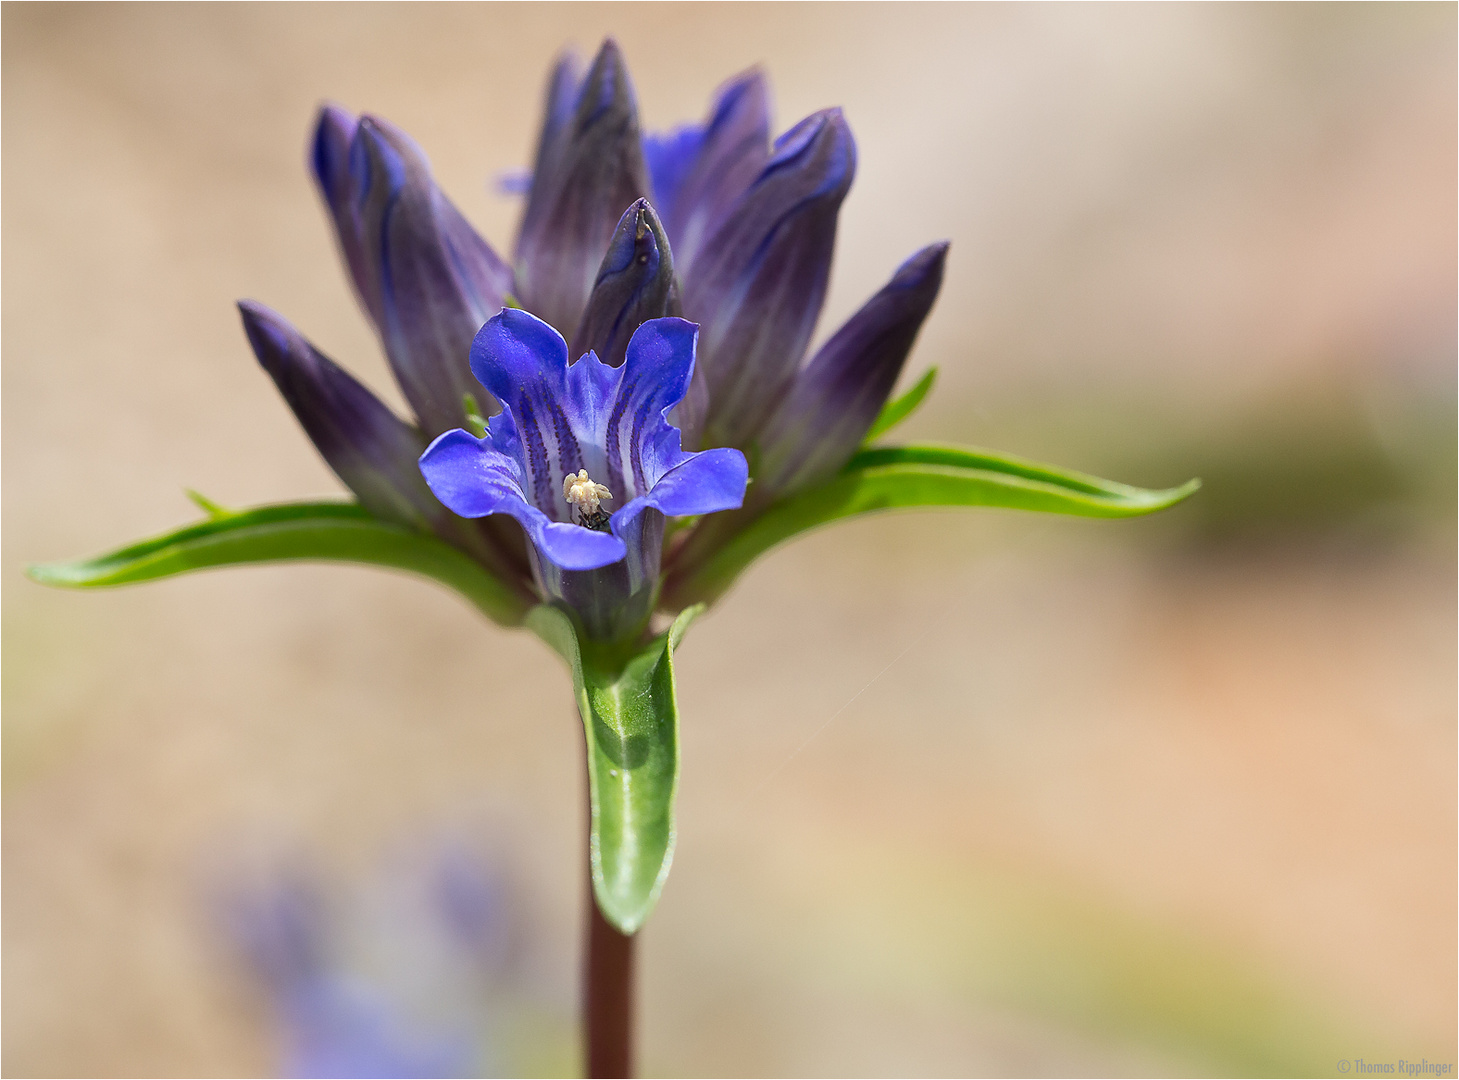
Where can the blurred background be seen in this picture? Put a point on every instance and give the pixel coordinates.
(963, 793)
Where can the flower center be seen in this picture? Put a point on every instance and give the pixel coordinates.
(583, 495)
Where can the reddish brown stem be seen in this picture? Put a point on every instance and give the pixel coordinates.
(608, 997)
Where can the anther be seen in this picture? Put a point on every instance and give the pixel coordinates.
(585, 495)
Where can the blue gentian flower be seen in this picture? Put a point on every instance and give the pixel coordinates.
(622, 234)
(571, 437)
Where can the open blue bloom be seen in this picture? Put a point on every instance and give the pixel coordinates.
(602, 424)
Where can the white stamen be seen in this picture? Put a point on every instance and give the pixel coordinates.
(581, 492)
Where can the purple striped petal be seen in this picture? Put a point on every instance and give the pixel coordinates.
(835, 399)
(558, 419)
(758, 285)
(523, 362)
(590, 168)
(703, 483)
(635, 284)
(472, 478)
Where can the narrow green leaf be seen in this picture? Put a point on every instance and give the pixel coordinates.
(906, 477)
(894, 412)
(631, 722)
(327, 531)
(973, 457)
(207, 505)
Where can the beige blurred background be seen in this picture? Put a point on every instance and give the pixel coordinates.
(1168, 796)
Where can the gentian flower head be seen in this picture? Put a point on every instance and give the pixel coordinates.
(684, 273)
(742, 250)
(571, 437)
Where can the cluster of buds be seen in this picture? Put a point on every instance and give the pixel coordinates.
(687, 270)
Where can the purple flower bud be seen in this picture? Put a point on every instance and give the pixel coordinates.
(557, 109)
(589, 169)
(423, 274)
(835, 399)
(372, 450)
(635, 284)
(330, 159)
(700, 170)
(758, 284)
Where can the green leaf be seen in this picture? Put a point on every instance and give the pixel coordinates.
(631, 721)
(207, 505)
(906, 477)
(894, 412)
(1129, 500)
(327, 531)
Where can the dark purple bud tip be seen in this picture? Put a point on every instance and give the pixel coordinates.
(606, 89)
(634, 284)
(835, 399)
(330, 155)
(817, 156)
(759, 280)
(367, 446)
(378, 158)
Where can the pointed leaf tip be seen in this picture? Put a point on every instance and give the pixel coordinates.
(291, 532)
(207, 505)
(897, 410)
(897, 478)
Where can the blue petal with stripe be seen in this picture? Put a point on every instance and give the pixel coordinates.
(559, 418)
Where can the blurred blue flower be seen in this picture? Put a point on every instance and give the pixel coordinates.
(416, 1014)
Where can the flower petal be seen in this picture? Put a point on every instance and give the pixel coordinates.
(423, 274)
(474, 479)
(523, 362)
(635, 284)
(589, 169)
(758, 285)
(699, 172)
(835, 399)
(639, 443)
(574, 548)
(367, 446)
(703, 483)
